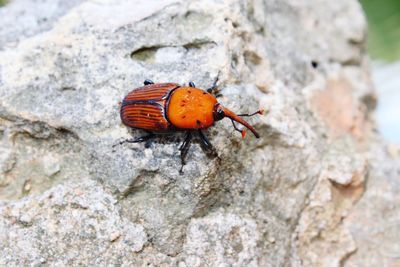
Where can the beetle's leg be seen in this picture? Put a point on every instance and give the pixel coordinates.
(185, 148)
(137, 140)
(191, 84)
(236, 128)
(213, 88)
(206, 144)
(147, 82)
(204, 141)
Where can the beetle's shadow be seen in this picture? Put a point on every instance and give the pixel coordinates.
(173, 138)
(162, 139)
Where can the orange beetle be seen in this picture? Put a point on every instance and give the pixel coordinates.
(169, 107)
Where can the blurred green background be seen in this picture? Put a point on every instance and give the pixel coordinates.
(384, 49)
(384, 28)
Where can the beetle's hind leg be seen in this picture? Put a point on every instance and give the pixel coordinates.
(184, 149)
(147, 82)
(137, 140)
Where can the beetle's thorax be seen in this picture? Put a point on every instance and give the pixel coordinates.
(191, 108)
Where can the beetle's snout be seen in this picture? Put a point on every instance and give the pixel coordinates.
(227, 113)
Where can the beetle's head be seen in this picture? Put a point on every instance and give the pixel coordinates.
(221, 112)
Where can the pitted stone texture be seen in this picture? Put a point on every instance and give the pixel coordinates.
(233, 241)
(274, 201)
(34, 17)
(71, 223)
(374, 222)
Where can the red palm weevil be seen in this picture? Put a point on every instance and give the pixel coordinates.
(168, 107)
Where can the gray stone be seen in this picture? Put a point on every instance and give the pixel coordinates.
(68, 197)
(70, 223)
(375, 220)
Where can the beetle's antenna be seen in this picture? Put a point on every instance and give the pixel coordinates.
(238, 119)
(260, 111)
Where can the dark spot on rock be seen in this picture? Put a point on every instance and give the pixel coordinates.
(251, 58)
(370, 101)
(68, 88)
(198, 122)
(204, 93)
(198, 44)
(234, 60)
(314, 64)
(184, 116)
(189, 91)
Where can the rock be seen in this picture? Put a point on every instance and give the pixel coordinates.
(68, 197)
(72, 223)
(221, 239)
(34, 18)
(374, 221)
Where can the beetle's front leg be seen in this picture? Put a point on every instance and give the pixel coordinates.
(185, 148)
(207, 145)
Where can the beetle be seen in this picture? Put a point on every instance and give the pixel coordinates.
(159, 108)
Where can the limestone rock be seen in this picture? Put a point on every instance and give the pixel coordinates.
(375, 220)
(68, 197)
(68, 224)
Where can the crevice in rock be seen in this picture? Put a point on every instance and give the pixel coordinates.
(370, 101)
(342, 261)
(146, 53)
(198, 44)
(68, 88)
(34, 129)
(138, 184)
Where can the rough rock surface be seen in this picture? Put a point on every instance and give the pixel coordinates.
(297, 196)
